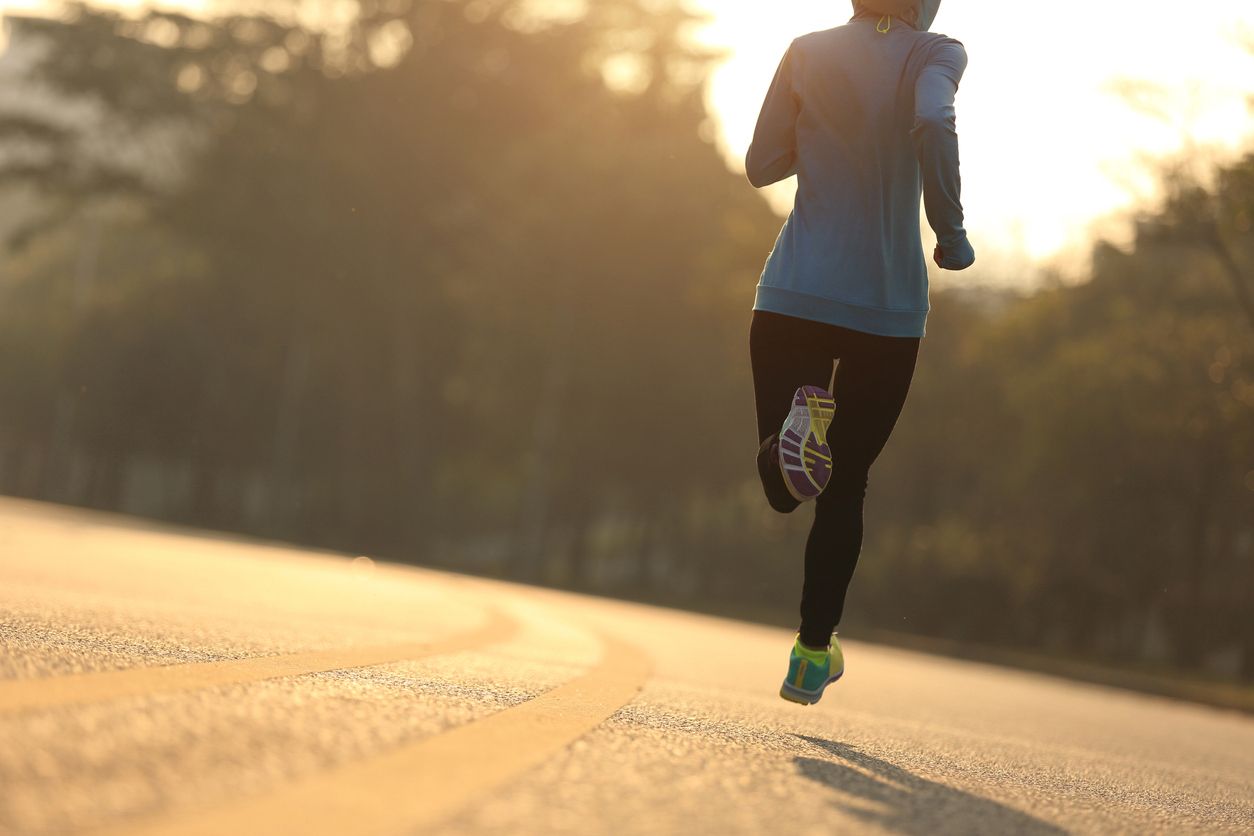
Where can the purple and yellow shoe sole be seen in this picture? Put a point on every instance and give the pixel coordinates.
(805, 459)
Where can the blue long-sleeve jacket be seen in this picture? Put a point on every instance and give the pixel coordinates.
(863, 114)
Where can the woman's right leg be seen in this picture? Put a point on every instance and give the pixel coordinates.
(870, 390)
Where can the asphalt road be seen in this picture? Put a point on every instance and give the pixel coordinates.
(154, 681)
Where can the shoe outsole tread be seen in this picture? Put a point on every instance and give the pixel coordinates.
(805, 458)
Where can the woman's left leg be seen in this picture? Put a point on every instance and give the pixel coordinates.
(872, 382)
(786, 354)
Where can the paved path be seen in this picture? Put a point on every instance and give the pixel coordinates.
(154, 681)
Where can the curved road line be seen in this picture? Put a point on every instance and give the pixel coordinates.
(421, 784)
(53, 692)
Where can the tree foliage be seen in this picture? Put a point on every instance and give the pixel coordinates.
(457, 284)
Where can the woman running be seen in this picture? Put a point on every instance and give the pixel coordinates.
(863, 114)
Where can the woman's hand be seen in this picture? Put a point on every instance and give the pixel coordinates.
(960, 257)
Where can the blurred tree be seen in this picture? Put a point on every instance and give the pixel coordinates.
(1087, 456)
(452, 281)
(436, 225)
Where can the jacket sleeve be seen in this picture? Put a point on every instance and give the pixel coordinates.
(773, 154)
(935, 139)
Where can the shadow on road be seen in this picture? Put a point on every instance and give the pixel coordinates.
(905, 803)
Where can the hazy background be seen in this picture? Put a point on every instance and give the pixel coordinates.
(466, 282)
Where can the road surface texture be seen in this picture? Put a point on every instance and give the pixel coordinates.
(156, 681)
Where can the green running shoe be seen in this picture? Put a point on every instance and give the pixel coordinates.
(811, 671)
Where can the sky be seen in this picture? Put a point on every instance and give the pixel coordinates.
(1052, 152)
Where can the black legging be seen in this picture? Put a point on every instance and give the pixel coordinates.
(871, 383)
